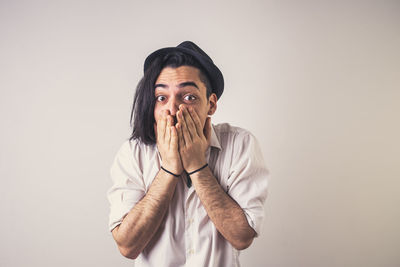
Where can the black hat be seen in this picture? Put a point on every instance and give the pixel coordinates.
(188, 47)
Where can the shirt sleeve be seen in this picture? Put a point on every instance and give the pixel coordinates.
(247, 183)
(128, 186)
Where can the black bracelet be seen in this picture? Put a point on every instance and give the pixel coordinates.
(190, 173)
(176, 175)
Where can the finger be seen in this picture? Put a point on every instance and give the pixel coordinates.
(161, 126)
(174, 138)
(168, 130)
(196, 121)
(207, 129)
(185, 131)
(189, 122)
(181, 140)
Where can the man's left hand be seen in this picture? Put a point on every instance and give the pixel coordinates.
(194, 139)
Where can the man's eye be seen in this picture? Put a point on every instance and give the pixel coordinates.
(189, 97)
(160, 98)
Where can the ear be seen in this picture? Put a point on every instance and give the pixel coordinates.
(212, 101)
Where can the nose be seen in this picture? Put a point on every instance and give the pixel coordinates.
(173, 106)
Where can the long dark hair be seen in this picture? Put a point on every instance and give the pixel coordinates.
(142, 114)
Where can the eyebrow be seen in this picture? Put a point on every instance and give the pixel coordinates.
(181, 85)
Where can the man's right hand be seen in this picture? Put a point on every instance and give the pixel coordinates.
(167, 143)
(144, 219)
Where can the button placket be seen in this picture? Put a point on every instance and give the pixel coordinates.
(189, 231)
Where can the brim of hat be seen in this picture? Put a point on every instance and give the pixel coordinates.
(213, 72)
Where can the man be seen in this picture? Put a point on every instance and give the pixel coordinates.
(185, 192)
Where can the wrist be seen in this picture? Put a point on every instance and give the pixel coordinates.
(172, 168)
(197, 170)
(169, 172)
(194, 163)
(195, 166)
(200, 173)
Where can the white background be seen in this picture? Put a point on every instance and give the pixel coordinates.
(317, 82)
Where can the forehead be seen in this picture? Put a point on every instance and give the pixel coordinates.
(178, 75)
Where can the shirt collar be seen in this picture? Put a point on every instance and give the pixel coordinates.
(214, 142)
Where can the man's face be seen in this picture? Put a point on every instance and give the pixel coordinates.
(182, 85)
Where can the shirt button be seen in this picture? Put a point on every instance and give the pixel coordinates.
(191, 251)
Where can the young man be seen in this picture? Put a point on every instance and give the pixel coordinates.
(185, 192)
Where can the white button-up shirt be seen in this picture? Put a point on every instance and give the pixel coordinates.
(187, 236)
